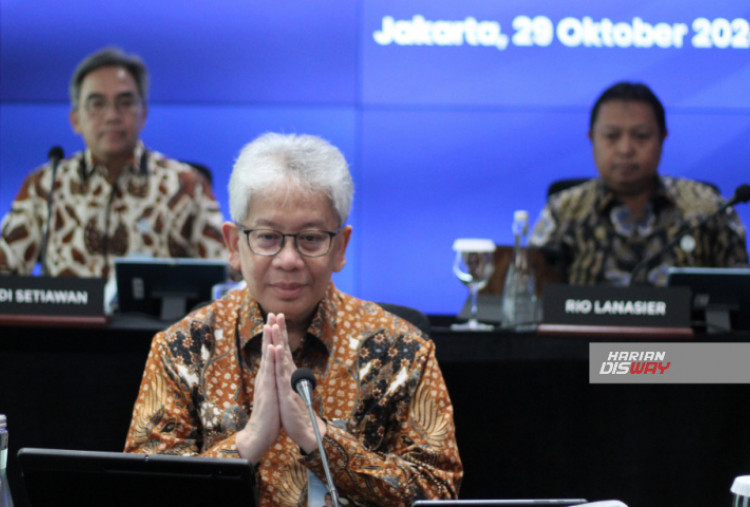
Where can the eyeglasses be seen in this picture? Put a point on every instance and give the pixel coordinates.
(97, 105)
(309, 243)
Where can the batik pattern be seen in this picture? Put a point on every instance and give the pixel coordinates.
(601, 241)
(162, 209)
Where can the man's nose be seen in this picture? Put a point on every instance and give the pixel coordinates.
(288, 253)
(625, 145)
(112, 112)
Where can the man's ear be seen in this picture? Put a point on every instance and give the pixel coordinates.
(144, 115)
(232, 240)
(75, 121)
(339, 254)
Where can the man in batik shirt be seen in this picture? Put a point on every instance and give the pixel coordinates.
(603, 228)
(218, 382)
(114, 199)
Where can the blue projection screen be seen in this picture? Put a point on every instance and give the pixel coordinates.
(452, 113)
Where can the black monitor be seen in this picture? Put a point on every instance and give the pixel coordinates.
(721, 296)
(166, 288)
(54, 477)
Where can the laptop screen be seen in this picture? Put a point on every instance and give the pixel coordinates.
(54, 477)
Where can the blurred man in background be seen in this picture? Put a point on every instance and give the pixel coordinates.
(604, 227)
(116, 198)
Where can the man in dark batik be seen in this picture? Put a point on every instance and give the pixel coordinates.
(603, 228)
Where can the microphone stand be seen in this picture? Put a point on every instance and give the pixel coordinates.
(56, 154)
(326, 469)
(305, 380)
(742, 194)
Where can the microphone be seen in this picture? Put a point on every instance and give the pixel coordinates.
(55, 155)
(741, 195)
(303, 381)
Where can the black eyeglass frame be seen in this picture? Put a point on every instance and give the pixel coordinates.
(331, 235)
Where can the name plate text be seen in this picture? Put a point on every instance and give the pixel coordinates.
(581, 305)
(64, 296)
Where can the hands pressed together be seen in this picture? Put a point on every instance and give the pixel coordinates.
(275, 404)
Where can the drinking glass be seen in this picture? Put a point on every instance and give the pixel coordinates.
(741, 491)
(473, 265)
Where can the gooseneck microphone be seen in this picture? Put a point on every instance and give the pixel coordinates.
(55, 155)
(741, 195)
(303, 381)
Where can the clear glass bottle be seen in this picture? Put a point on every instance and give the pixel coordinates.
(520, 307)
(6, 500)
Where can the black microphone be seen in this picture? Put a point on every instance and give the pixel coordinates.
(55, 155)
(303, 381)
(741, 194)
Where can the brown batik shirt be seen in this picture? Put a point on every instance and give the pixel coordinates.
(601, 241)
(157, 207)
(390, 436)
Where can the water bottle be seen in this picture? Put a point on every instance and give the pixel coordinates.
(6, 500)
(519, 307)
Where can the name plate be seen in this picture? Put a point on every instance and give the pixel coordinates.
(592, 305)
(64, 296)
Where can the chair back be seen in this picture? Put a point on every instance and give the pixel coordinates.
(563, 184)
(566, 183)
(412, 315)
(201, 168)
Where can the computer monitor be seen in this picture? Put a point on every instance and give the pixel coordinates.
(54, 477)
(166, 288)
(721, 296)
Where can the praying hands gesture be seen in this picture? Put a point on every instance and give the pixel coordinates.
(275, 404)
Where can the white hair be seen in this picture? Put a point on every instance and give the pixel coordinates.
(282, 160)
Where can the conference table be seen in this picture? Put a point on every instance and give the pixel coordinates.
(528, 422)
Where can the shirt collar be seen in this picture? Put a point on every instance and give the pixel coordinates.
(322, 326)
(665, 194)
(606, 199)
(93, 165)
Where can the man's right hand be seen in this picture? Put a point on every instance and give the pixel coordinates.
(262, 430)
